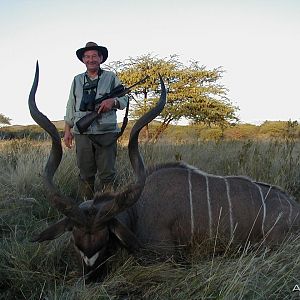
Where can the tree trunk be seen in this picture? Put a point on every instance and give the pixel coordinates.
(160, 130)
(147, 133)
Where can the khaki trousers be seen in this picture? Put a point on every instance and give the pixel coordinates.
(97, 154)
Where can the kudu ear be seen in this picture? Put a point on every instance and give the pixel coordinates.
(54, 231)
(124, 235)
(118, 203)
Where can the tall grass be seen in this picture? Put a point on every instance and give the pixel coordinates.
(50, 270)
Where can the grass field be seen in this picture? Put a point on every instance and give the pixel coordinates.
(49, 270)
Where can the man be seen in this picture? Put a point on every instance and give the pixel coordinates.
(95, 149)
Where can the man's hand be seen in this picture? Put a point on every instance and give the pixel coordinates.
(68, 136)
(106, 105)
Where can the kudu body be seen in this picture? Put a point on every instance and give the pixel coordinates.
(170, 205)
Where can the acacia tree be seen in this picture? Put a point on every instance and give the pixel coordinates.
(193, 91)
(4, 120)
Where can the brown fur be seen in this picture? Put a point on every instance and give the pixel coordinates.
(169, 207)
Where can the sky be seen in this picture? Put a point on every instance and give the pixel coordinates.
(256, 42)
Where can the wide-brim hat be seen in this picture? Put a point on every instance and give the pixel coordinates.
(92, 46)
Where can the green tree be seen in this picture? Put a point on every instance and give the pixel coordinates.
(194, 92)
(4, 120)
(273, 129)
(241, 131)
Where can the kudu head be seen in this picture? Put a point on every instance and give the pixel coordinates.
(93, 223)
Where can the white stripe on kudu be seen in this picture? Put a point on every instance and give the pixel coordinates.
(208, 206)
(191, 203)
(264, 209)
(206, 175)
(230, 206)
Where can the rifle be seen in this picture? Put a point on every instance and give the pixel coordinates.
(119, 91)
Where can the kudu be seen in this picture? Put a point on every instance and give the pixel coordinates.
(168, 206)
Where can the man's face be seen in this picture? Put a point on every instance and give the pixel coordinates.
(92, 60)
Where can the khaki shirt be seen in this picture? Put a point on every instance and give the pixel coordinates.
(107, 122)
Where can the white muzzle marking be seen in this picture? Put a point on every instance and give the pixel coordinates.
(89, 261)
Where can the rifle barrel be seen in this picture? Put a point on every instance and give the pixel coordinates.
(87, 120)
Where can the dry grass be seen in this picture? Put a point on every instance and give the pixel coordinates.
(48, 270)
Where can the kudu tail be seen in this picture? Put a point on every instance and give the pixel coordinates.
(136, 159)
